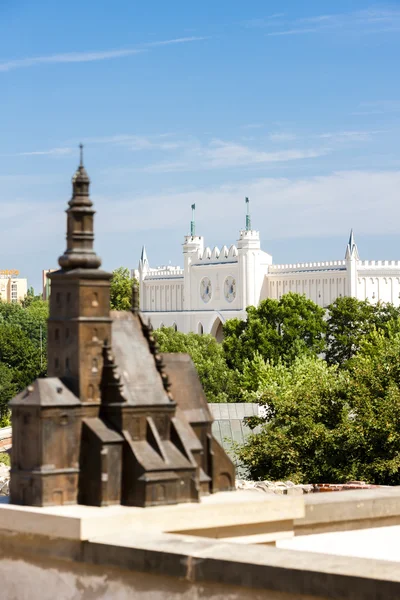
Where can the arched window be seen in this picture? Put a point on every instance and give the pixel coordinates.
(200, 329)
(174, 327)
(217, 331)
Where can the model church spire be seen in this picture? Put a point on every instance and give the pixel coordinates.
(80, 236)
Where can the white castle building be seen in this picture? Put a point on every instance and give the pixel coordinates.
(217, 285)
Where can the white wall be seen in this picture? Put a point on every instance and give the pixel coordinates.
(171, 296)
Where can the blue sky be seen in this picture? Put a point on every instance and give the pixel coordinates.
(294, 104)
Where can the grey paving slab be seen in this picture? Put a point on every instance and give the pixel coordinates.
(240, 411)
(224, 411)
(232, 411)
(226, 432)
(215, 410)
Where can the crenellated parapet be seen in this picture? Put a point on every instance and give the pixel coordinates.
(378, 264)
(217, 256)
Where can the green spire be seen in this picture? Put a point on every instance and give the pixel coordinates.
(248, 218)
(192, 222)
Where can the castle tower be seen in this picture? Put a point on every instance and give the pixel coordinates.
(249, 260)
(352, 257)
(79, 304)
(143, 269)
(192, 247)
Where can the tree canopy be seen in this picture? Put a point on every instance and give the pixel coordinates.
(23, 347)
(328, 424)
(219, 382)
(279, 330)
(121, 289)
(350, 321)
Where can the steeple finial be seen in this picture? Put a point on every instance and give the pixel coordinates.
(248, 218)
(80, 235)
(193, 223)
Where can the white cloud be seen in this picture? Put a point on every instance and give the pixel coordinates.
(378, 107)
(253, 126)
(229, 154)
(282, 208)
(282, 137)
(80, 57)
(70, 57)
(51, 152)
(257, 23)
(350, 136)
(363, 21)
(139, 142)
(219, 154)
(299, 31)
(183, 40)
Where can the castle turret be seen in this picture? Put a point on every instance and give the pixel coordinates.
(143, 269)
(249, 250)
(193, 246)
(352, 257)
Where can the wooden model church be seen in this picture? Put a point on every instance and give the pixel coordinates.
(115, 421)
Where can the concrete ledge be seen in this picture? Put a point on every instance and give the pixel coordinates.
(220, 513)
(349, 510)
(297, 574)
(137, 545)
(250, 570)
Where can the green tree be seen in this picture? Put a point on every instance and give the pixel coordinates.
(8, 389)
(121, 289)
(372, 441)
(19, 354)
(301, 435)
(351, 320)
(30, 297)
(219, 382)
(328, 424)
(31, 320)
(278, 330)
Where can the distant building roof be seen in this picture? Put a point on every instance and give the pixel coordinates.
(229, 427)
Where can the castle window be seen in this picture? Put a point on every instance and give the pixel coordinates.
(67, 333)
(56, 363)
(58, 299)
(67, 363)
(68, 297)
(57, 335)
